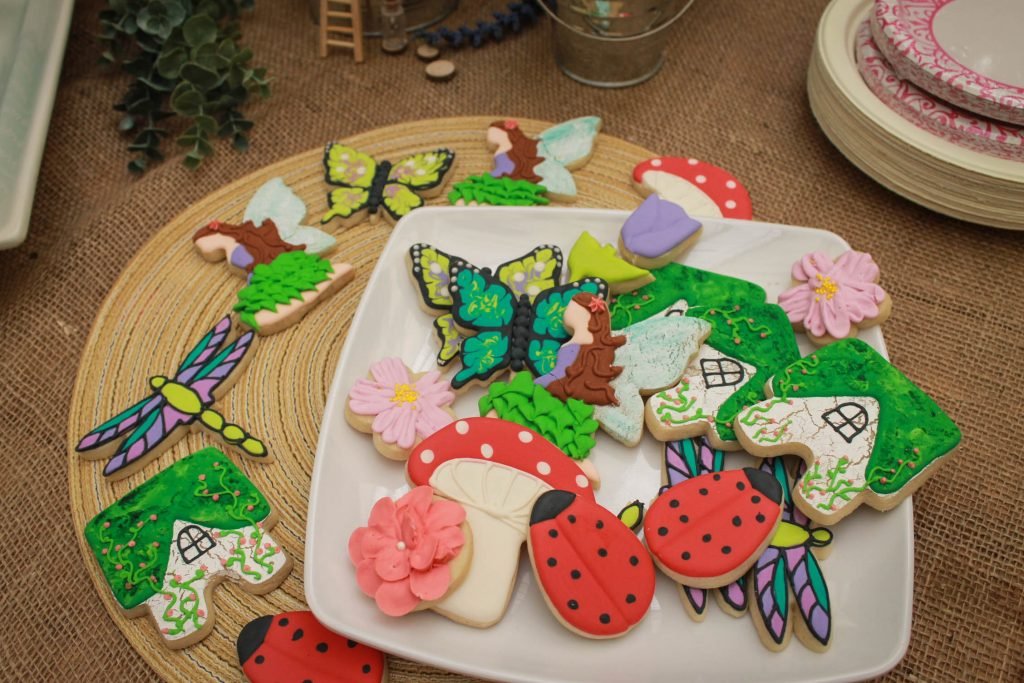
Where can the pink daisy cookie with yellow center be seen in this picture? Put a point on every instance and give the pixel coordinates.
(399, 407)
(835, 299)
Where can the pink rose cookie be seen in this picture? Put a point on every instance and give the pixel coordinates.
(496, 470)
(657, 233)
(701, 188)
(833, 300)
(398, 407)
(412, 552)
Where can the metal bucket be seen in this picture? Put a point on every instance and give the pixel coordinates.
(590, 48)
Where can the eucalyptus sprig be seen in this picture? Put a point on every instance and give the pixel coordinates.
(186, 60)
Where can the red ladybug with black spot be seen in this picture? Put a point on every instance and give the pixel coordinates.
(707, 531)
(293, 647)
(593, 571)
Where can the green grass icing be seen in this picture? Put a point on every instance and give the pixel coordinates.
(913, 431)
(676, 281)
(133, 549)
(486, 189)
(279, 282)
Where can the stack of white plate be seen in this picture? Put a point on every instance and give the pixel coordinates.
(881, 81)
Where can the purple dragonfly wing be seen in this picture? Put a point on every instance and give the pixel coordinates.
(217, 370)
(119, 424)
(202, 352)
(146, 437)
(796, 516)
(697, 599)
(735, 595)
(771, 594)
(688, 458)
(811, 592)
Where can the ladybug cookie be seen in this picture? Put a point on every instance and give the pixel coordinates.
(707, 531)
(294, 646)
(593, 571)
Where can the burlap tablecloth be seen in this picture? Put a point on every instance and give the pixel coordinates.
(731, 92)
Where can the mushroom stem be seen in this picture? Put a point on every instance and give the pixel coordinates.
(482, 597)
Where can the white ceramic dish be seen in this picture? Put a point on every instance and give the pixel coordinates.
(967, 52)
(869, 573)
(32, 40)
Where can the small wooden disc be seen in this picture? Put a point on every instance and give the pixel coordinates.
(427, 53)
(441, 70)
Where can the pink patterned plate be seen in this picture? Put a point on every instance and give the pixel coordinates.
(967, 52)
(933, 115)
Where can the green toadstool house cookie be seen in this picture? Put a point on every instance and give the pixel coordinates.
(165, 545)
(868, 434)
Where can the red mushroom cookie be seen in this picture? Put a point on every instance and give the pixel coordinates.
(496, 470)
(701, 188)
(595, 574)
(707, 531)
(293, 646)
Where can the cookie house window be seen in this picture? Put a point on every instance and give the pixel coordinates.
(721, 372)
(848, 419)
(193, 543)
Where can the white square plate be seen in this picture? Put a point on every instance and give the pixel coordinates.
(869, 573)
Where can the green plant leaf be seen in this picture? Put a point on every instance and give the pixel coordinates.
(200, 77)
(126, 124)
(186, 100)
(169, 63)
(199, 30)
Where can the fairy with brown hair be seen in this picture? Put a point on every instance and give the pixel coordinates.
(585, 365)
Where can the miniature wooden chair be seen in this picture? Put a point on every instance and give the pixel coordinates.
(341, 18)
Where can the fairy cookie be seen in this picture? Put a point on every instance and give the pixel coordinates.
(413, 551)
(701, 188)
(294, 646)
(594, 573)
(707, 531)
(398, 407)
(678, 287)
(657, 233)
(867, 433)
(164, 547)
(177, 404)
(496, 470)
(589, 258)
(834, 300)
(368, 187)
(748, 344)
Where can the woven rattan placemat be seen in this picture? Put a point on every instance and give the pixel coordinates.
(167, 298)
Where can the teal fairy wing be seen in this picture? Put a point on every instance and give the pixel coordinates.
(563, 147)
(546, 331)
(483, 305)
(277, 202)
(449, 337)
(532, 273)
(412, 176)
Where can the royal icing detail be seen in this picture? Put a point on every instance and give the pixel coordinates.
(402, 556)
(657, 227)
(701, 188)
(864, 429)
(158, 421)
(589, 258)
(486, 190)
(294, 646)
(165, 545)
(399, 407)
(832, 297)
(595, 573)
(708, 530)
(365, 185)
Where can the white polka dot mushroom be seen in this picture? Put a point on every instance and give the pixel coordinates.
(496, 469)
(701, 188)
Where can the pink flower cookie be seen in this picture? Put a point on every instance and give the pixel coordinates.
(413, 551)
(398, 407)
(833, 300)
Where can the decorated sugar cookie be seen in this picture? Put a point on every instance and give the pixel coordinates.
(679, 287)
(589, 258)
(787, 590)
(399, 407)
(486, 190)
(413, 552)
(537, 270)
(594, 573)
(707, 531)
(867, 433)
(748, 344)
(614, 371)
(833, 300)
(701, 188)
(294, 646)
(504, 329)
(657, 233)
(177, 404)
(684, 460)
(167, 544)
(496, 470)
(365, 185)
